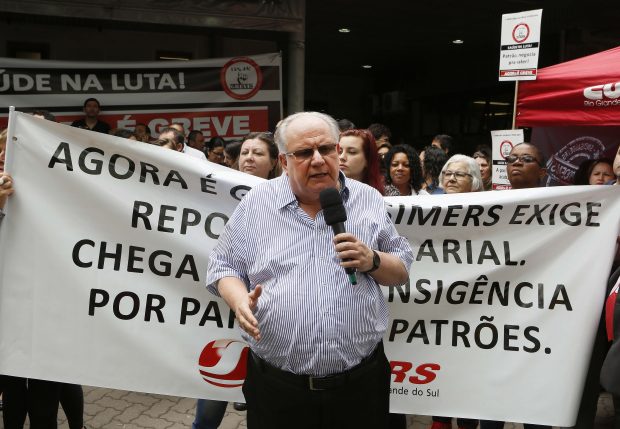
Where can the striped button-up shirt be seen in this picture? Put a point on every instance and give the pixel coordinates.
(312, 320)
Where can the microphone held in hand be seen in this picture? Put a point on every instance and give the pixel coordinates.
(335, 215)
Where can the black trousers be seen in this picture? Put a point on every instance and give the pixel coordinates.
(36, 398)
(72, 402)
(358, 398)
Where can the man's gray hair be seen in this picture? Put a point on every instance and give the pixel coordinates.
(472, 167)
(280, 135)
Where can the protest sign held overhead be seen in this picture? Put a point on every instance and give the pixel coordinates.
(520, 42)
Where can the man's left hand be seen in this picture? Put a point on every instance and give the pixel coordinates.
(358, 255)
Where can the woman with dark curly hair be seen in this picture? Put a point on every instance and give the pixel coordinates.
(433, 159)
(404, 172)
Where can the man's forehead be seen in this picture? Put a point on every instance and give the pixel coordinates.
(304, 129)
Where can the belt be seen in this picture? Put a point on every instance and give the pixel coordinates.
(329, 382)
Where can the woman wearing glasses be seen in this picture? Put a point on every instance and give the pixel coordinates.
(526, 169)
(461, 173)
(214, 150)
(359, 159)
(404, 172)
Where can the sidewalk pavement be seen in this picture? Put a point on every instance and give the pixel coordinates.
(118, 409)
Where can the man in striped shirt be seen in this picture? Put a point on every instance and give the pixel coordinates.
(316, 354)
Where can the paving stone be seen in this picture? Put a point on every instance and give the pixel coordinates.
(131, 413)
(145, 421)
(158, 409)
(117, 394)
(117, 404)
(103, 419)
(185, 405)
(181, 418)
(93, 394)
(91, 409)
(141, 398)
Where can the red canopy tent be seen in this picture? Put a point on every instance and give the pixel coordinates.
(574, 109)
(585, 91)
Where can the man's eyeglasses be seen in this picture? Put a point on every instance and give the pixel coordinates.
(306, 154)
(458, 175)
(526, 159)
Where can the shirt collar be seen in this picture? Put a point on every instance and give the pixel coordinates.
(286, 195)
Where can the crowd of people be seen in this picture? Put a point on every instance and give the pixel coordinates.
(308, 152)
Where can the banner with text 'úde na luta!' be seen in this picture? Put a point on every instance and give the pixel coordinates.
(226, 97)
(105, 244)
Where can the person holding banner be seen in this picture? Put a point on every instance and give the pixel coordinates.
(526, 169)
(37, 399)
(316, 354)
(460, 174)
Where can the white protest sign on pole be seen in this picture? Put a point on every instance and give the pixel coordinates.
(502, 142)
(520, 41)
(104, 248)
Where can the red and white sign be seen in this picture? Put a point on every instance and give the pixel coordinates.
(520, 40)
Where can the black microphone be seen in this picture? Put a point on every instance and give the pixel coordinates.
(335, 215)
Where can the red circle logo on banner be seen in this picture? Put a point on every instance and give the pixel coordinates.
(505, 148)
(241, 78)
(222, 363)
(521, 32)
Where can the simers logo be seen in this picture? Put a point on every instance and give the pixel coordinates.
(223, 363)
(422, 374)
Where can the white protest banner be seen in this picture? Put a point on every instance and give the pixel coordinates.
(227, 97)
(104, 249)
(502, 142)
(520, 41)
